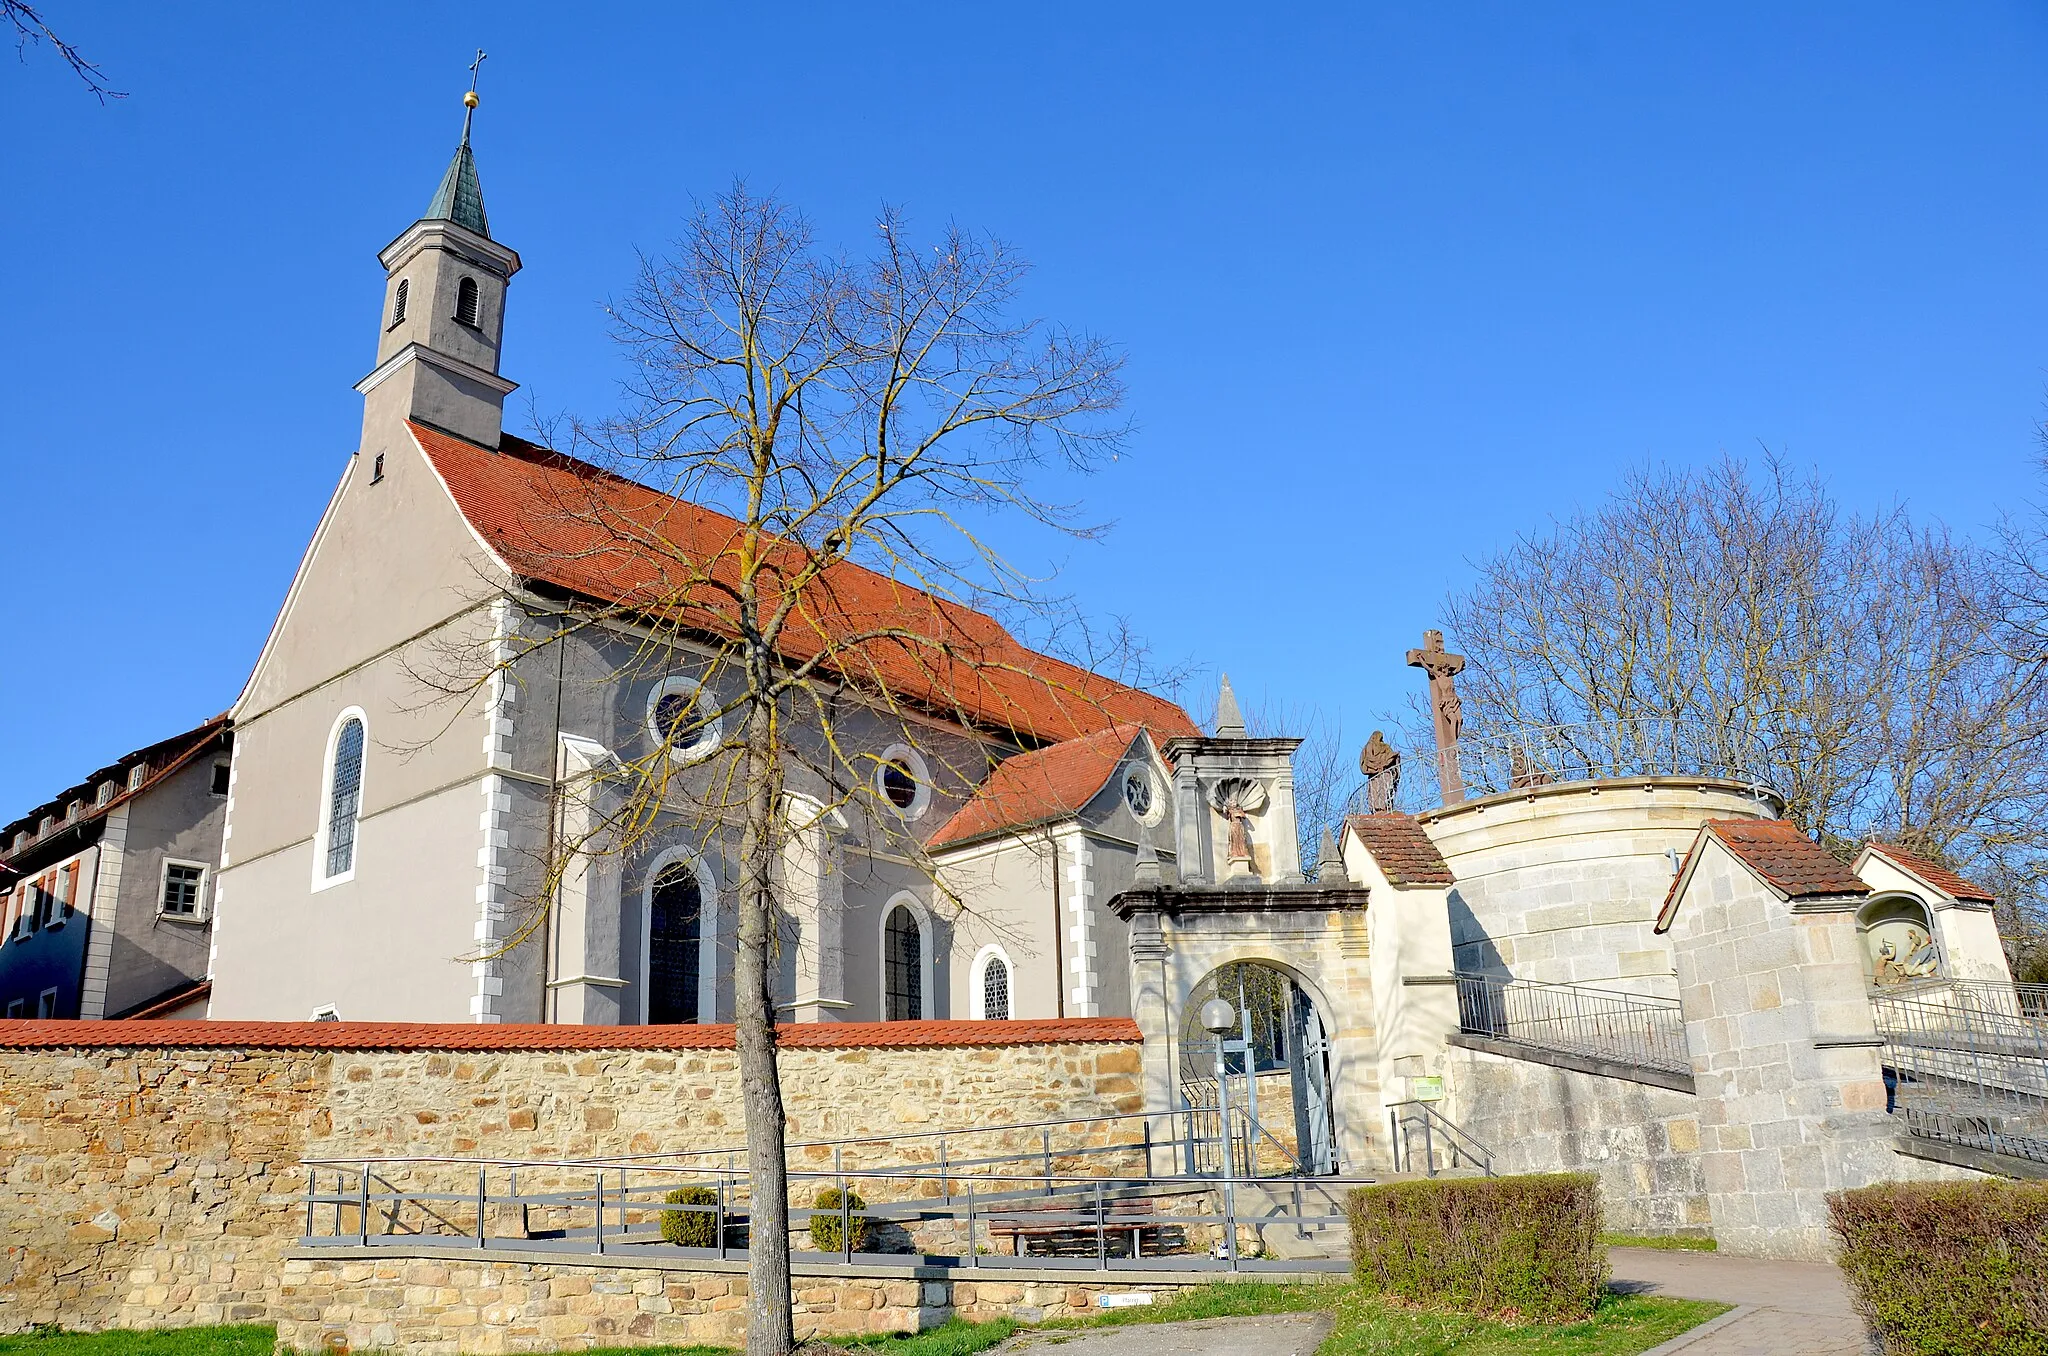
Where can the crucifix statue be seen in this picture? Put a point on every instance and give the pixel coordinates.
(1443, 669)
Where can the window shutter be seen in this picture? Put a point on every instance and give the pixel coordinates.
(71, 889)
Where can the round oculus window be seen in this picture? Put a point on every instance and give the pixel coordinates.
(677, 716)
(1138, 792)
(899, 783)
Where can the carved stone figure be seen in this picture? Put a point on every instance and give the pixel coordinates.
(1448, 712)
(1381, 766)
(1237, 799)
(1524, 773)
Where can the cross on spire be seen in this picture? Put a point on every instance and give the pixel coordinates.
(470, 100)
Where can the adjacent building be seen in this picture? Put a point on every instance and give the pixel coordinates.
(109, 886)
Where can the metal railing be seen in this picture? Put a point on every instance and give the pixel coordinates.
(1408, 1121)
(1525, 758)
(1625, 1028)
(923, 1216)
(1967, 1063)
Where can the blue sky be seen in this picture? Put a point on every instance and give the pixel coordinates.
(1395, 282)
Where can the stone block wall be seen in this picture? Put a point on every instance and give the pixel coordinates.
(149, 1171)
(1561, 884)
(426, 1306)
(1642, 1141)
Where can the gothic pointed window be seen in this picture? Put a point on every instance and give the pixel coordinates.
(344, 799)
(398, 302)
(468, 305)
(902, 966)
(675, 930)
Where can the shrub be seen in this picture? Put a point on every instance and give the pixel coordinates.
(825, 1227)
(1948, 1268)
(691, 1228)
(1528, 1246)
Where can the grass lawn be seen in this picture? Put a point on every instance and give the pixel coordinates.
(1662, 1242)
(243, 1341)
(1624, 1326)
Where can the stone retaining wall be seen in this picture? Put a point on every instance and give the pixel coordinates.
(430, 1306)
(149, 1172)
(1642, 1141)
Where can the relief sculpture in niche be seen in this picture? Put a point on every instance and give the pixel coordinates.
(1237, 799)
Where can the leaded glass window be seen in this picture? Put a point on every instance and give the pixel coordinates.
(675, 927)
(995, 990)
(344, 798)
(903, 966)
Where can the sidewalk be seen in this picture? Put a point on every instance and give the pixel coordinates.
(1783, 1308)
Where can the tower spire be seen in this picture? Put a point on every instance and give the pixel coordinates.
(460, 198)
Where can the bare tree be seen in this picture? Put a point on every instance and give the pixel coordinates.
(1867, 661)
(849, 428)
(32, 30)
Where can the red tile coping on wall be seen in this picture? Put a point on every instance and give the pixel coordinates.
(1402, 849)
(55, 1035)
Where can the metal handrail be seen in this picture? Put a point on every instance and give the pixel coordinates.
(1433, 1123)
(1641, 1030)
(1524, 758)
(611, 1209)
(1967, 1063)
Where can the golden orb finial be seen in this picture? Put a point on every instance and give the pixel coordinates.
(469, 99)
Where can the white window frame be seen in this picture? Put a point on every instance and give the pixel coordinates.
(710, 735)
(203, 904)
(707, 932)
(46, 1005)
(976, 991)
(15, 1008)
(322, 881)
(920, 773)
(922, 916)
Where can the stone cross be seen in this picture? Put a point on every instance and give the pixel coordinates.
(1443, 669)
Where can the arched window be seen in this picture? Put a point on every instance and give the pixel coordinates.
(343, 804)
(468, 305)
(902, 966)
(992, 986)
(398, 302)
(675, 935)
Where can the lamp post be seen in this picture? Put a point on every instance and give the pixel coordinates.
(1218, 1017)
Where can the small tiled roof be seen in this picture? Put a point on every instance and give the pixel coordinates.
(1774, 849)
(1940, 877)
(64, 1035)
(1403, 852)
(1040, 786)
(566, 523)
(1794, 864)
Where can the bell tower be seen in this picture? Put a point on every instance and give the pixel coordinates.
(444, 315)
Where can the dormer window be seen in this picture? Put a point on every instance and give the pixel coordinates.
(468, 304)
(398, 303)
(137, 775)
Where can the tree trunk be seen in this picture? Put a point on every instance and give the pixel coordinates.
(768, 1298)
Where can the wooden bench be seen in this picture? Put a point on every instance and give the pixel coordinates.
(1126, 1223)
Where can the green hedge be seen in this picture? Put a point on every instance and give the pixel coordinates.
(825, 1228)
(691, 1228)
(1528, 1246)
(1948, 1268)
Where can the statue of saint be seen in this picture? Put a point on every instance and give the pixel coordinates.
(1382, 769)
(1237, 799)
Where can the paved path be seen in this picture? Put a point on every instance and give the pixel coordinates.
(1271, 1335)
(1784, 1308)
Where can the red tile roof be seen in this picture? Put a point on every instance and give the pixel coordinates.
(1776, 850)
(1402, 850)
(162, 758)
(564, 522)
(1940, 877)
(1046, 784)
(54, 1035)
